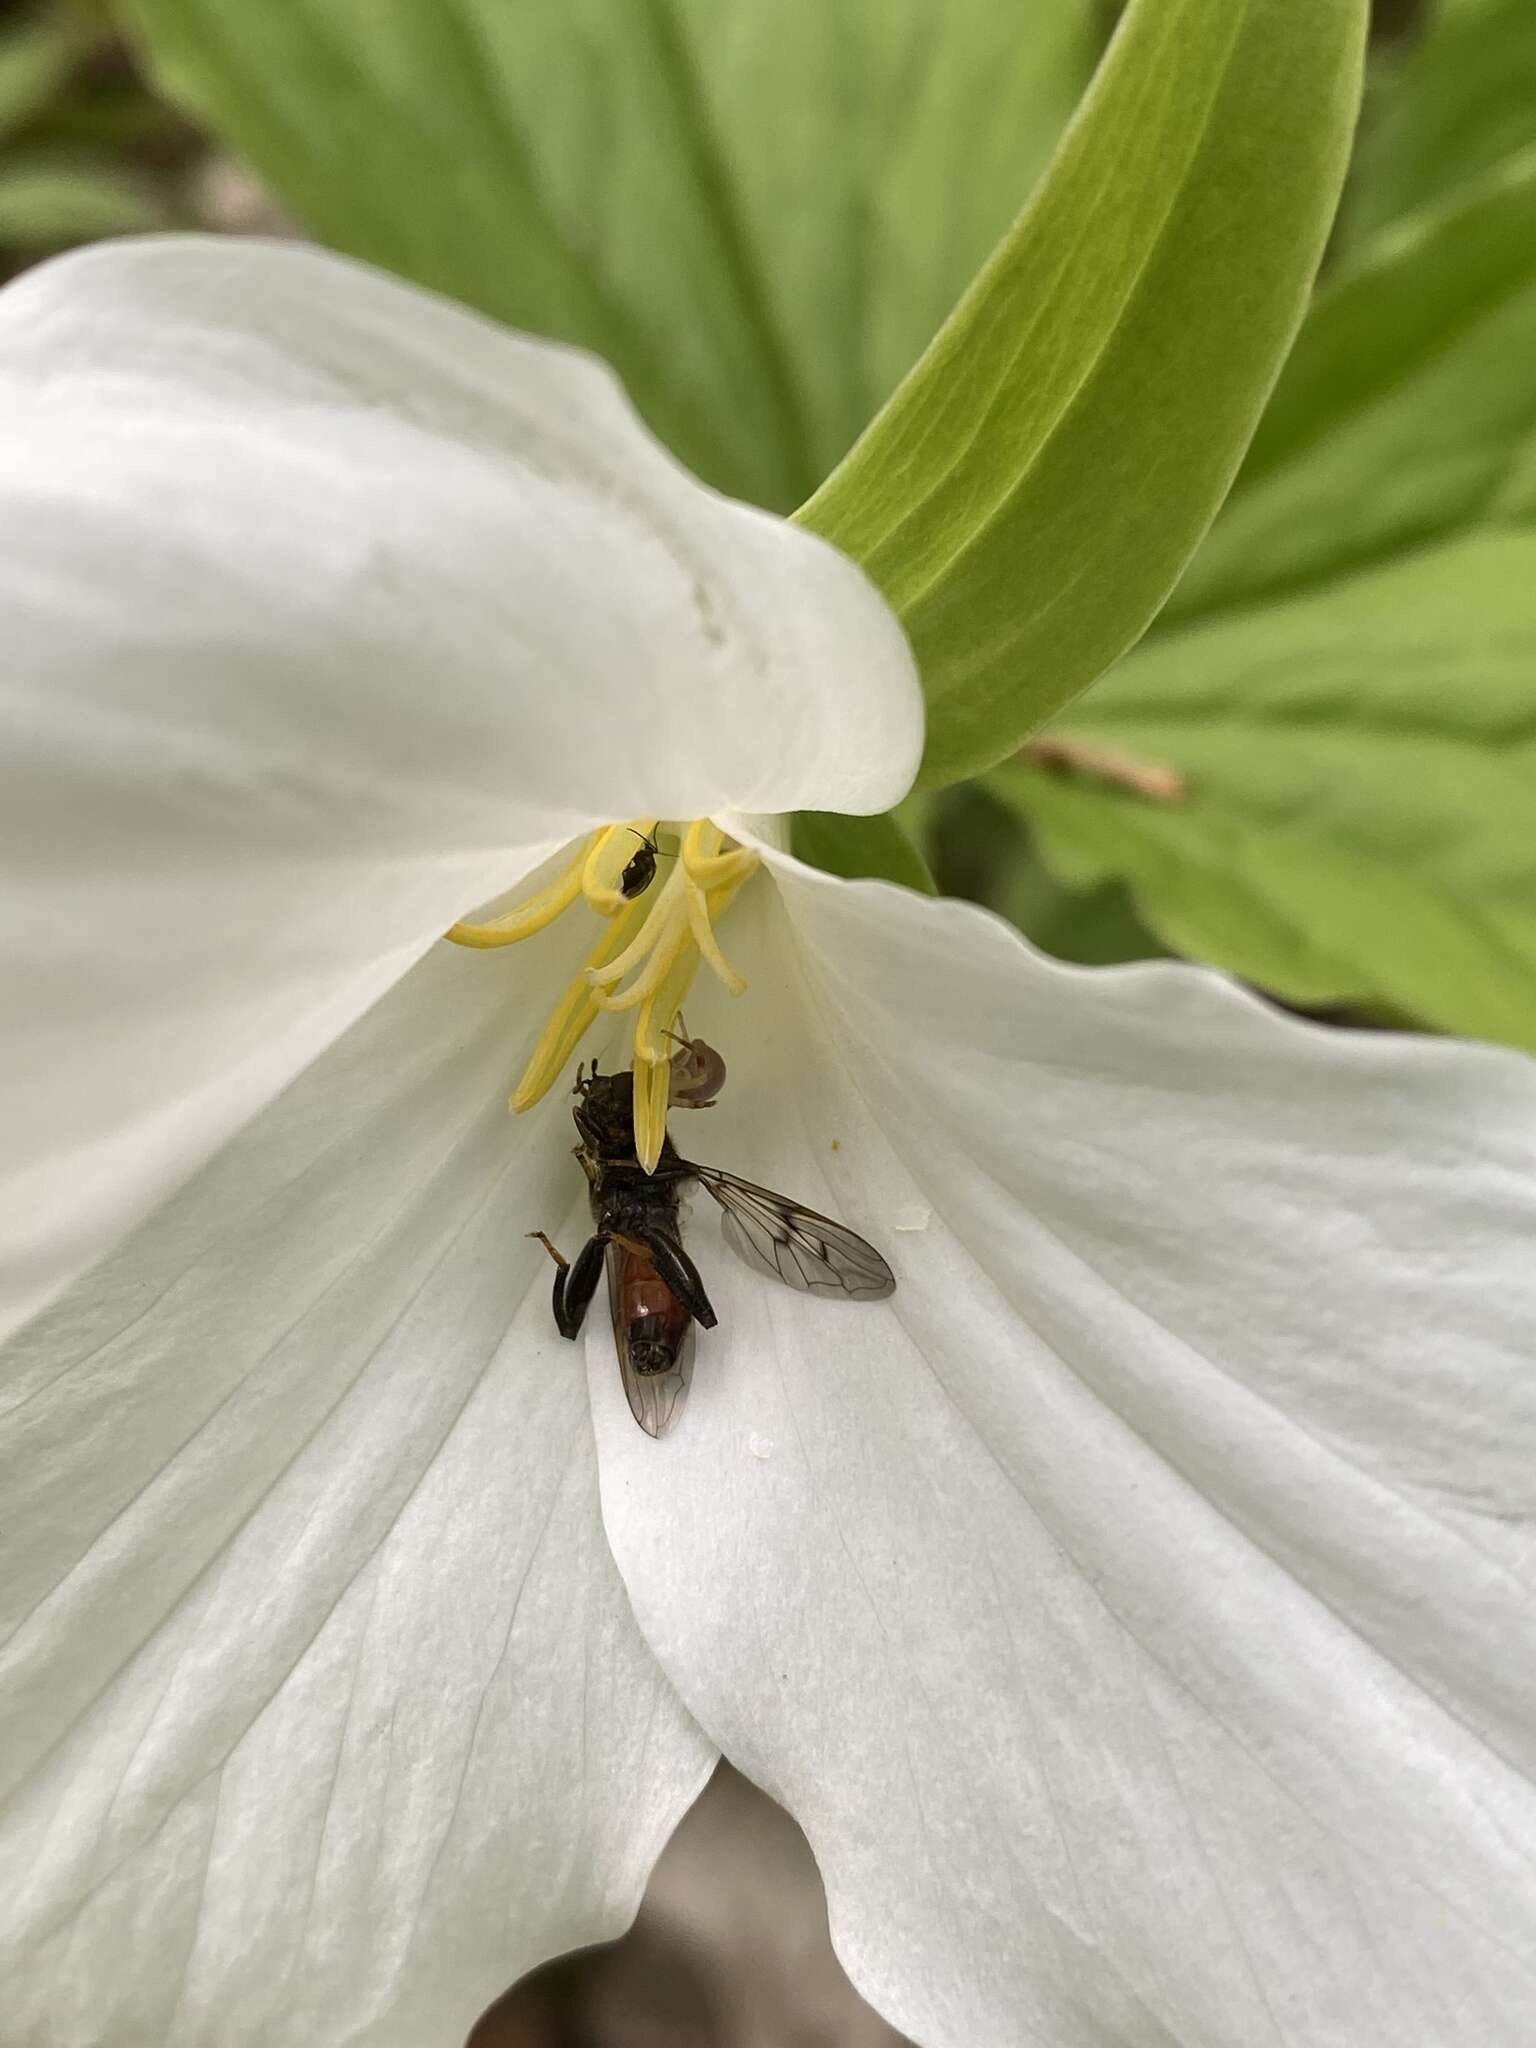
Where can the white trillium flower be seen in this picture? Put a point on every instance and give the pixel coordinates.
(1135, 1609)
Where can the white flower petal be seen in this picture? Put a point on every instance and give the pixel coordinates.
(330, 609)
(1136, 1611)
(322, 1710)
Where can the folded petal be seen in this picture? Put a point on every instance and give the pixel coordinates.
(1135, 1610)
(322, 1711)
(332, 608)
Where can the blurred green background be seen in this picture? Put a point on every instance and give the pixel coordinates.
(88, 148)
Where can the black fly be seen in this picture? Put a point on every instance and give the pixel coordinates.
(640, 869)
(655, 1294)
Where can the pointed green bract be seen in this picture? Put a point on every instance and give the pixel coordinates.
(1033, 490)
(1346, 680)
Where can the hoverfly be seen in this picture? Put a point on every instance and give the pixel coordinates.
(655, 1294)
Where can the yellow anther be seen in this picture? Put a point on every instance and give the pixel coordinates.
(661, 913)
(667, 948)
(659, 1012)
(704, 863)
(703, 935)
(644, 959)
(653, 1086)
(574, 1013)
(524, 919)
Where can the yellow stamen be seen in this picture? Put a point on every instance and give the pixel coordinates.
(524, 919)
(653, 1085)
(653, 1055)
(705, 864)
(665, 953)
(573, 1014)
(661, 915)
(655, 1036)
(658, 1013)
(703, 937)
(644, 960)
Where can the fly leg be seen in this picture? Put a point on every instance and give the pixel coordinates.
(679, 1272)
(574, 1285)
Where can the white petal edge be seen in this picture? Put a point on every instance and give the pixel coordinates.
(322, 1712)
(331, 609)
(1135, 1612)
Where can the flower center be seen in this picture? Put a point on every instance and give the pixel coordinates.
(646, 955)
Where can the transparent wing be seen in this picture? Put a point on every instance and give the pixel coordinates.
(794, 1244)
(655, 1398)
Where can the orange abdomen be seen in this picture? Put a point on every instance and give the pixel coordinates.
(650, 1312)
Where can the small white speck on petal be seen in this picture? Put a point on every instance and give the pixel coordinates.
(912, 1216)
(760, 1446)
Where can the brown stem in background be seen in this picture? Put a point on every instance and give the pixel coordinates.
(1155, 780)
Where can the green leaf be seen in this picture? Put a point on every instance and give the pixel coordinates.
(1405, 414)
(1347, 680)
(48, 202)
(1095, 927)
(1093, 922)
(1032, 492)
(859, 847)
(36, 57)
(758, 212)
(1449, 107)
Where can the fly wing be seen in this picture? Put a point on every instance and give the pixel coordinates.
(795, 1244)
(655, 1398)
